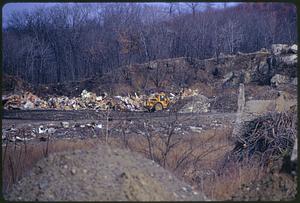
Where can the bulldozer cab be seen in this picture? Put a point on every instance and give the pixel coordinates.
(157, 102)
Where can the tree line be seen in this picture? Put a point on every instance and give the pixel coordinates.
(69, 42)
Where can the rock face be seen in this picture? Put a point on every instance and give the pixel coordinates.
(103, 174)
(198, 104)
(282, 59)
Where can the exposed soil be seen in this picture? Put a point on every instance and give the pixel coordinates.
(98, 175)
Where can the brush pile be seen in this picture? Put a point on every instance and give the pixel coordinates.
(267, 138)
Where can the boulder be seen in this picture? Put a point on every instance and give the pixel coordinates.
(294, 48)
(261, 73)
(279, 79)
(294, 81)
(279, 49)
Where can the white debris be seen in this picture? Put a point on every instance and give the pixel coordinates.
(99, 126)
(196, 129)
(41, 129)
(28, 105)
(99, 98)
(65, 124)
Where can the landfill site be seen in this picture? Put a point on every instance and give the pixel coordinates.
(230, 134)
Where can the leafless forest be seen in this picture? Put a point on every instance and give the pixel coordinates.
(72, 42)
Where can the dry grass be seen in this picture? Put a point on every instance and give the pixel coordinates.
(228, 183)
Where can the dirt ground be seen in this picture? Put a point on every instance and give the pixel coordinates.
(99, 175)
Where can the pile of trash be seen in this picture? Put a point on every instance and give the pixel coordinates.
(87, 100)
(26, 100)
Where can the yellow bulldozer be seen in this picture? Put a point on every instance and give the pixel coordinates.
(157, 102)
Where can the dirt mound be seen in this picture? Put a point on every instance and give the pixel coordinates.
(100, 174)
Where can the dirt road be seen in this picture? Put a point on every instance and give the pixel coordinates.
(21, 117)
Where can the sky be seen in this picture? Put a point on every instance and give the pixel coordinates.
(8, 8)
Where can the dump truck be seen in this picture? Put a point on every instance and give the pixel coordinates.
(157, 102)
